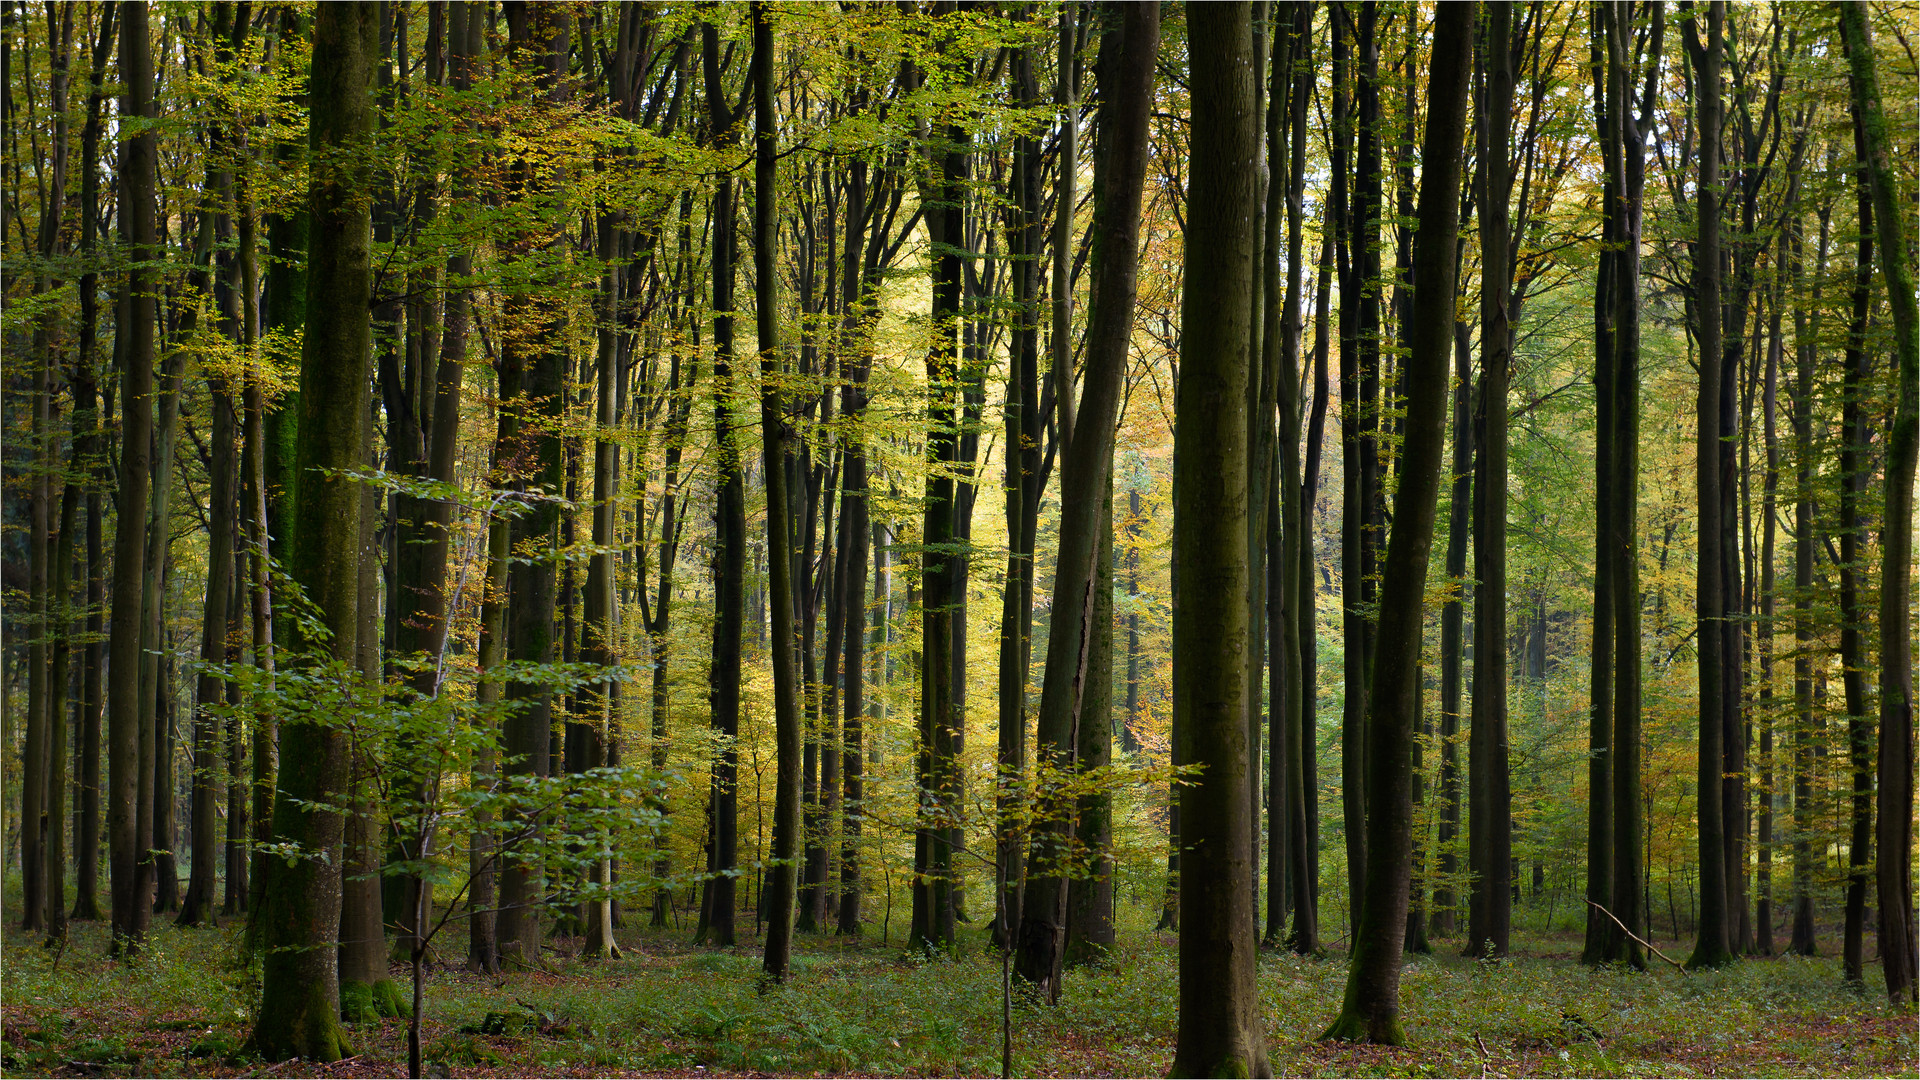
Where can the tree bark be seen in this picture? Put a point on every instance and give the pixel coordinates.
(1220, 1032)
(1627, 877)
(1894, 837)
(300, 988)
(773, 433)
(1714, 945)
(1489, 801)
(717, 902)
(1371, 1008)
(1074, 629)
(138, 155)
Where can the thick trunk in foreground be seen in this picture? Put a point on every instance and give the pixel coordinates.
(1220, 1032)
(299, 980)
(1894, 840)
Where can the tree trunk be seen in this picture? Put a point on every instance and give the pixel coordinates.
(1854, 454)
(717, 901)
(1351, 225)
(1806, 349)
(1628, 872)
(1601, 933)
(88, 456)
(299, 983)
(535, 386)
(1714, 945)
(1287, 516)
(131, 913)
(1025, 427)
(1371, 1009)
(209, 692)
(1489, 801)
(1077, 685)
(1220, 1032)
(773, 432)
(1894, 865)
(1764, 710)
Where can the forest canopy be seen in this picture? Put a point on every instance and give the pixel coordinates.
(1270, 483)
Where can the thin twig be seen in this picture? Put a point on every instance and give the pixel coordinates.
(1638, 938)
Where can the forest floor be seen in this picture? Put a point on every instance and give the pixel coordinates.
(861, 1009)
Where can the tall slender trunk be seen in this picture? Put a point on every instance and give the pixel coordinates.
(1024, 431)
(1853, 611)
(717, 902)
(1714, 945)
(1219, 1029)
(1489, 802)
(90, 459)
(1352, 238)
(1628, 806)
(534, 386)
(1806, 333)
(1288, 515)
(1601, 933)
(773, 433)
(1303, 763)
(1370, 1011)
(1077, 682)
(1764, 709)
(936, 765)
(1894, 839)
(131, 912)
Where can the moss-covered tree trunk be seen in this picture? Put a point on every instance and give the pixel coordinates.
(1892, 211)
(1220, 1031)
(299, 1001)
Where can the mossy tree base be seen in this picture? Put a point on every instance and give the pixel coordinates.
(1707, 956)
(364, 1004)
(1350, 1026)
(308, 1030)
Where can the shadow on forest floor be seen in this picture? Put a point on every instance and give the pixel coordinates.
(857, 1008)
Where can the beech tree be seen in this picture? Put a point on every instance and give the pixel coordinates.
(1371, 1011)
(1220, 1033)
(300, 990)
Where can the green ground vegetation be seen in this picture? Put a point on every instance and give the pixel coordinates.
(181, 1008)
